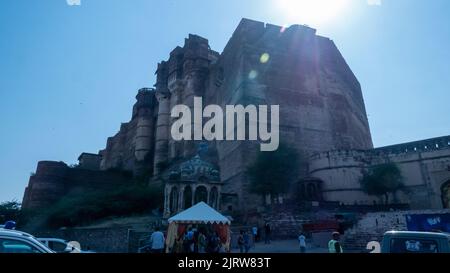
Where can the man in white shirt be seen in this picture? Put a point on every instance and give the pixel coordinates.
(157, 241)
(302, 242)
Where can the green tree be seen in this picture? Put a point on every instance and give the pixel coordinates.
(272, 172)
(382, 180)
(9, 210)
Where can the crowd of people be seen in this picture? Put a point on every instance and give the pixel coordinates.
(202, 240)
(198, 240)
(193, 240)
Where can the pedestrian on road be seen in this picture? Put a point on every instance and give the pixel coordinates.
(334, 245)
(157, 241)
(246, 241)
(302, 242)
(241, 242)
(213, 243)
(189, 241)
(255, 233)
(202, 242)
(267, 232)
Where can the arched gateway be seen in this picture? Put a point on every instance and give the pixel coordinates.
(189, 183)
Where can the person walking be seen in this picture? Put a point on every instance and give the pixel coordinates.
(241, 242)
(195, 240)
(157, 241)
(189, 241)
(302, 242)
(201, 242)
(246, 241)
(267, 232)
(213, 243)
(255, 233)
(334, 245)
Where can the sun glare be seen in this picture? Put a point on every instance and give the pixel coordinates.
(311, 12)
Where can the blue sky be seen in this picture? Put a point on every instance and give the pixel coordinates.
(69, 74)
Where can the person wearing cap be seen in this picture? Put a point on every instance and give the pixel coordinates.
(10, 225)
(334, 245)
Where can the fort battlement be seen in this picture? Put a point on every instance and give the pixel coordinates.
(421, 146)
(425, 145)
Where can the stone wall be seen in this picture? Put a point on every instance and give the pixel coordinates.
(372, 226)
(89, 161)
(103, 240)
(132, 147)
(53, 180)
(425, 170)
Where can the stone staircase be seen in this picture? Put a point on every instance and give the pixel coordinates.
(358, 241)
(371, 227)
(287, 220)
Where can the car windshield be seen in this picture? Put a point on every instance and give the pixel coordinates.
(16, 246)
(58, 246)
(414, 245)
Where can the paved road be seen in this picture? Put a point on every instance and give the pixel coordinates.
(286, 246)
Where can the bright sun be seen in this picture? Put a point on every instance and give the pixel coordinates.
(311, 12)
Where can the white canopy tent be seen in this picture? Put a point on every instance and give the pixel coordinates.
(200, 213)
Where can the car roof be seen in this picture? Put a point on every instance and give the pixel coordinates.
(19, 234)
(52, 239)
(418, 234)
(16, 233)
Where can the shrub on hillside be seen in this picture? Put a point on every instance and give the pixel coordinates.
(78, 210)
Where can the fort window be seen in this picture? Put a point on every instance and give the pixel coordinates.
(312, 192)
(187, 197)
(310, 189)
(201, 195)
(173, 199)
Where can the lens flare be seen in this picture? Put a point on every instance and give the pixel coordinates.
(264, 58)
(311, 12)
(253, 74)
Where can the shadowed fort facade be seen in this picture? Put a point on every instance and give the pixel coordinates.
(322, 116)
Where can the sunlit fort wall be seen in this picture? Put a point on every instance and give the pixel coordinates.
(424, 165)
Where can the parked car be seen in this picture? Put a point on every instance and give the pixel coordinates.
(14, 241)
(62, 246)
(415, 242)
(59, 245)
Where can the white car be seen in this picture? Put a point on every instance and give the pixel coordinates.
(60, 245)
(14, 241)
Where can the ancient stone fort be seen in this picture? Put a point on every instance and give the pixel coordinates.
(322, 116)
